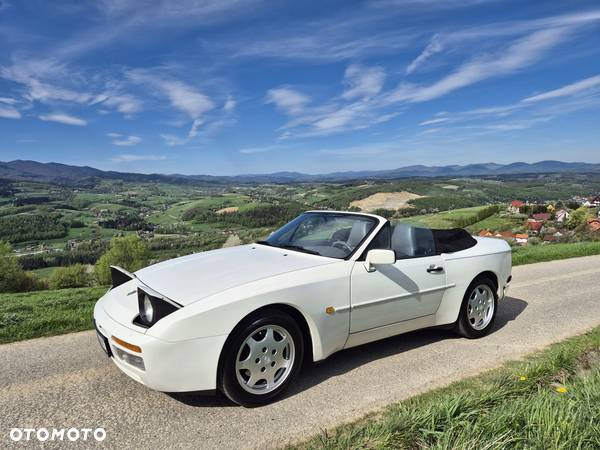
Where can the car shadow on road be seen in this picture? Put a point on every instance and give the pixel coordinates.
(347, 360)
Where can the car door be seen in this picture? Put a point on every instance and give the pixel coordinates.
(412, 287)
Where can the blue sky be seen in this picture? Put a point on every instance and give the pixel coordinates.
(249, 86)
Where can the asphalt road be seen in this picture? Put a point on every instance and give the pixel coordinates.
(66, 381)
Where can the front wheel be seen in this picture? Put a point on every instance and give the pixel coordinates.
(261, 358)
(478, 309)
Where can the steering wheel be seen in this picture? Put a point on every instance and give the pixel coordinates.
(342, 246)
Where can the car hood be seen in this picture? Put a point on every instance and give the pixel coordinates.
(191, 278)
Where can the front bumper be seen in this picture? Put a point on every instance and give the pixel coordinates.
(183, 366)
(505, 288)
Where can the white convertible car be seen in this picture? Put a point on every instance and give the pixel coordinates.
(243, 319)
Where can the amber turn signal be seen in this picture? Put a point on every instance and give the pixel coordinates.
(127, 345)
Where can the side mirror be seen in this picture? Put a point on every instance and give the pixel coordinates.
(379, 257)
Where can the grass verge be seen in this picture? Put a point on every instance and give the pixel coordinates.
(46, 313)
(549, 400)
(539, 253)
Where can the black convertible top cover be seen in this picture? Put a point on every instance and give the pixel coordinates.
(452, 240)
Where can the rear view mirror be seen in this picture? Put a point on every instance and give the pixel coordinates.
(379, 257)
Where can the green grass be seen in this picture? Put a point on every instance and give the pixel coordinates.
(550, 400)
(549, 252)
(44, 272)
(46, 313)
(443, 219)
(498, 222)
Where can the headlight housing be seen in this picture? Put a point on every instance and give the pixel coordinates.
(153, 307)
(119, 276)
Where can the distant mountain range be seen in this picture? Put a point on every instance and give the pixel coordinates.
(66, 174)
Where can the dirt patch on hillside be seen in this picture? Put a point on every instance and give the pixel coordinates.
(387, 200)
(451, 187)
(228, 210)
(232, 241)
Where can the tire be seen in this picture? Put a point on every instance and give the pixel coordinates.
(475, 320)
(261, 358)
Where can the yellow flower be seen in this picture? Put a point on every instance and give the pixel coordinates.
(523, 378)
(561, 389)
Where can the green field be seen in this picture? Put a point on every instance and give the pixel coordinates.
(549, 400)
(46, 313)
(443, 219)
(540, 253)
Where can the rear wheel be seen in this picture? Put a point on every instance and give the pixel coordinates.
(478, 309)
(261, 358)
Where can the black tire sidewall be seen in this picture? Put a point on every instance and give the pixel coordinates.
(228, 382)
(464, 326)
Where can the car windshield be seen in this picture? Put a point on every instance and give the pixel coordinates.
(326, 234)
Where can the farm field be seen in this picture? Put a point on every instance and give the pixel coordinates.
(51, 225)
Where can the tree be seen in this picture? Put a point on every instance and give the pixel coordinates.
(129, 252)
(578, 217)
(73, 276)
(12, 276)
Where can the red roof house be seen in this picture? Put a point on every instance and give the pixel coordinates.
(593, 224)
(535, 226)
(517, 203)
(541, 216)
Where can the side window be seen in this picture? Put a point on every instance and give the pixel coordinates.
(382, 240)
(412, 242)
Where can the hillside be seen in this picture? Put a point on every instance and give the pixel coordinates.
(67, 174)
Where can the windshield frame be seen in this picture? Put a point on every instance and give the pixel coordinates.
(375, 220)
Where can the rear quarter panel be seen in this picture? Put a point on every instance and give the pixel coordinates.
(489, 255)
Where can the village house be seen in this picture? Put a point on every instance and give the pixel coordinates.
(521, 238)
(541, 216)
(562, 215)
(535, 226)
(593, 224)
(514, 206)
(592, 202)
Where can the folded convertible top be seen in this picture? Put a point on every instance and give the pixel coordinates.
(452, 240)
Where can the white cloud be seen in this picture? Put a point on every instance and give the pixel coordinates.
(467, 39)
(9, 113)
(570, 89)
(182, 96)
(434, 46)
(127, 157)
(124, 103)
(435, 121)
(194, 130)
(521, 53)
(124, 141)
(363, 81)
(288, 100)
(44, 92)
(8, 101)
(229, 105)
(63, 118)
(253, 150)
(172, 140)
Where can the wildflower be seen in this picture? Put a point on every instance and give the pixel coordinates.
(561, 389)
(523, 378)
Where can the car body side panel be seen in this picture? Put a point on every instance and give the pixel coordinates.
(489, 255)
(310, 291)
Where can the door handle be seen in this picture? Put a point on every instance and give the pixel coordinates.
(434, 269)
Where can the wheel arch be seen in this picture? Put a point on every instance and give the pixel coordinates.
(292, 311)
(487, 274)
